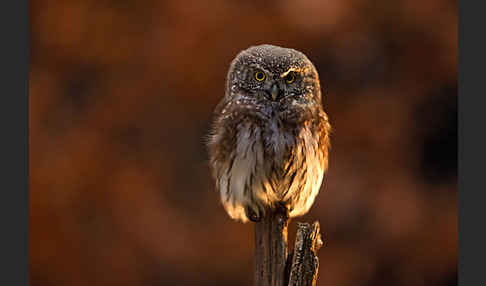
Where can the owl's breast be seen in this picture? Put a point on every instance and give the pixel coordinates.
(267, 164)
(293, 161)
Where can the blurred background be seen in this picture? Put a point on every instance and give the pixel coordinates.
(121, 99)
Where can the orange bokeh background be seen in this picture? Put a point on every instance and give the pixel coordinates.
(121, 99)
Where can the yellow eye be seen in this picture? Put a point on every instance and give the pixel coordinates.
(290, 77)
(260, 76)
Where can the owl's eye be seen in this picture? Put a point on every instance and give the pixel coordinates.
(290, 77)
(260, 76)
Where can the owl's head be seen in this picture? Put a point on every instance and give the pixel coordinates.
(269, 78)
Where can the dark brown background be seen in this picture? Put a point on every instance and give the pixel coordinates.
(121, 99)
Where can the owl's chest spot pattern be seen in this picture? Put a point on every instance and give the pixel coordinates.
(270, 166)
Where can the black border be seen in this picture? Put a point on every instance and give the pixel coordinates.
(471, 143)
(14, 118)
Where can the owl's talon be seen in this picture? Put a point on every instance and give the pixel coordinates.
(252, 215)
(283, 208)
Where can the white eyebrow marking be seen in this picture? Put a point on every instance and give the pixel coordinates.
(297, 70)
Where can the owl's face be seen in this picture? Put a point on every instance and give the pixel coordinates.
(268, 79)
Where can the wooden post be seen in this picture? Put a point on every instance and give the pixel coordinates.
(305, 263)
(271, 248)
(273, 264)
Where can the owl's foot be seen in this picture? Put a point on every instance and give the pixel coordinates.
(252, 215)
(283, 208)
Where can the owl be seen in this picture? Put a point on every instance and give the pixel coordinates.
(269, 142)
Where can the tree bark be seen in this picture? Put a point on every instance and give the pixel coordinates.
(305, 263)
(271, 248)
(273, 265)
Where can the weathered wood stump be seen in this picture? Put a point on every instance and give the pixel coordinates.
(273, 264)
(305, 262)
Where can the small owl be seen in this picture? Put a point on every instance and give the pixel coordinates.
(270, 138)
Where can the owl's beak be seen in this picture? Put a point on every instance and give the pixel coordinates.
(275, 92)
